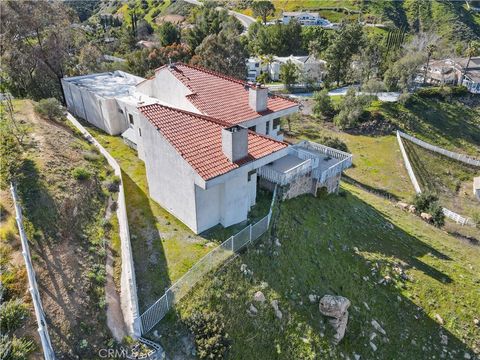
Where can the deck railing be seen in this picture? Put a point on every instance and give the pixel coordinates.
(283, 178)
(333, 170)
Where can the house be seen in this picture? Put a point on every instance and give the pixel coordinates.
(207, 140)
(452, 72)
(304, 18)
(206, 92)
(313, 68)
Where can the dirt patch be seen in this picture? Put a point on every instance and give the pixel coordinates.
(375, 126)
(174, 19)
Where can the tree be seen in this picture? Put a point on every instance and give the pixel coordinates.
(89, 58)
(315, 40)
(351, 109)
(323, 106)
(430, 50)
(472, 50)
(400, 75)
(38, 46)
(168, 34)
(289, 74)
(278, 39)
(263, 8)
(344, 45)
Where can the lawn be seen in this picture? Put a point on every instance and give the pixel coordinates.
(345, 245)
(377, 161)
(163, 247)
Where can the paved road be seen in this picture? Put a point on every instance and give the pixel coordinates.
(244, 19)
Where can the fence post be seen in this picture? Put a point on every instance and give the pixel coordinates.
(250, 234)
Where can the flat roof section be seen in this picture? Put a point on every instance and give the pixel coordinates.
(107, 85)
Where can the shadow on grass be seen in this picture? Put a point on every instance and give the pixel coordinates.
(383, 193)
(335, 243)
(151, 268)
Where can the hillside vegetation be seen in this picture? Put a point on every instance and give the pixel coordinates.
(417, 282)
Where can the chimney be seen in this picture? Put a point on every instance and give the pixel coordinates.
(235, 142)
(258, 97)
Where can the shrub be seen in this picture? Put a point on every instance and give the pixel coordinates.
(436, 211)
(81, 173)
(49, 108)
(113, 185)
(441, 92)
(423, 201)
(351, 109)
(211, 340)
(323, 104)
(333, 142)
(15, 348)
(12, 315)
(13, 282)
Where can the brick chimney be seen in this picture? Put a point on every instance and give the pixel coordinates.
(258, 97)
(235, 142)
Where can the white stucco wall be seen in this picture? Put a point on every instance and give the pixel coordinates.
(171, 180)
(260, 122)
(167, 88)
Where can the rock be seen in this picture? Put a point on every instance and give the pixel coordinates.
(243, 268)
(356, 356)
(412, 209)
(476, 321)
(366, 306)
(467, 356)
(334, 306)
(264, 285)
(278, 314)
(390, 225)
(276, 309)
(259, 297)
(277, 242)
(373, 335)
(252, 310)
(402, 205)
(426, 217)
(210, 244)
(439, 319)
(373, 346)
(274, 304)
(312, 298)
(444, 339)
(377, 327)
(156, 334)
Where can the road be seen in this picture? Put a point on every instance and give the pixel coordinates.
(244, 19)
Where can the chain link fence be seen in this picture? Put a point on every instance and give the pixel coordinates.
(209, 262)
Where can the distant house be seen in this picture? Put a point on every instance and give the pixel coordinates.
(314, 68)
(206, 139)
(451, 71)
(304, 18)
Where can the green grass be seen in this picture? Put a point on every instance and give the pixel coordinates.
(345, 245)
(163, 247)
(451, 180)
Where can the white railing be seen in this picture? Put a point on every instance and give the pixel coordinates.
(460, 157)
(459, 219)
(128, 296)
(32, 282)
(209, 262)
(283, 178)
(410, 172)
(334, 153)
(333, 170)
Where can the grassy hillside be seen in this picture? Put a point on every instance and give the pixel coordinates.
(70, 231)
(345, 245)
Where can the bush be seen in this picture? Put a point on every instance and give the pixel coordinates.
(441, 92)
(15, 348)
(81, 173)
(49, 108)
(351, 109)
(263, 78)
(211, 340)
(436, 211)
(12, 315)
(323, 104)
(114, 184)
(423, 201)
(333, 142)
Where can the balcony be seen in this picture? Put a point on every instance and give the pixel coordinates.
(306, 157)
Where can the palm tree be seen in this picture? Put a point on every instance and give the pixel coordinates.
(472, 50)
(430, 50)
(267, 60)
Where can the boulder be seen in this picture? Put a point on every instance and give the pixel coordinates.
(276, 309)
(340, 326)
(312, 298)
(377, 327)
(252, 310)
(412, 209)
(402, 205)
(259, 297)
(334, 306)
(426, 217)
(439, 319)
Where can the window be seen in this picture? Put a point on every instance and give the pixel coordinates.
(276, 123)
(139, 132)
(130, 118)
(119, 110)
(267, 127)
(250, 174)
(253, 128)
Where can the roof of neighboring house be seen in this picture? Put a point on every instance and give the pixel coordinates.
(198, 139)
(222, 96)
(299, 13)
(473, 75)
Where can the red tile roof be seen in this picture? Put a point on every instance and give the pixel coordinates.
(221, 96)
(198, 139)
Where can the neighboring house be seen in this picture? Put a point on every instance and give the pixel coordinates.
(311, 67)
(451, 71)
(204, 138)
(304, 18)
